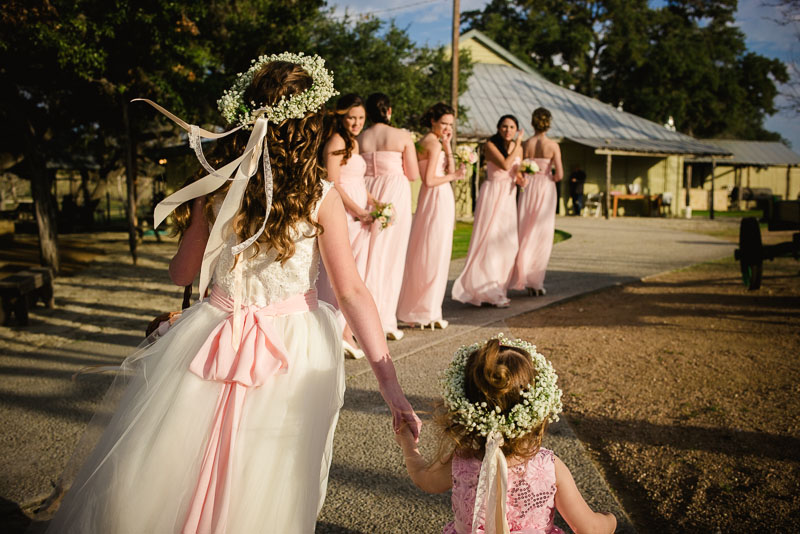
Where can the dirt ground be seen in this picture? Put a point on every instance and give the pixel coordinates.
(684, 388)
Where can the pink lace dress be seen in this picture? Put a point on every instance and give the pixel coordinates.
(530, 498)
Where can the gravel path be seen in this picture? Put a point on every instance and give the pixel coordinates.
(102, 311)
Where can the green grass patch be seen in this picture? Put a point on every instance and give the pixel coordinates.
(463, 231)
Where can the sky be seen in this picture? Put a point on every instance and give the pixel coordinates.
(429, 22)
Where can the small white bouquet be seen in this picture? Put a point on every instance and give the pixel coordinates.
(528, 166)
(383, 213)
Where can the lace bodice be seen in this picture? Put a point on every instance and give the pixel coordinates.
(265, 281)
(530, 498)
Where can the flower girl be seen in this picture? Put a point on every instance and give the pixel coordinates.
(497, 399)
(226, 421)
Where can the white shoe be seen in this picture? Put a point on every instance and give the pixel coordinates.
(351, 352)
(440, 324)
(395, 335)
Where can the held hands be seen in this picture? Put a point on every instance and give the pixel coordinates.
(365, 217)
(521, 180)
(403, 414)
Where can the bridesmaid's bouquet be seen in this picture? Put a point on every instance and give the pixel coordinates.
(528, 166)
(383, 213)
(465, 155)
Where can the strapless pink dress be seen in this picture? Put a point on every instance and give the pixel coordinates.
(387, 182)
(429, 249)
(351, 180)
(536, 208)
(493, 245)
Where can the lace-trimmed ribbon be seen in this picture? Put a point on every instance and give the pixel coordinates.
(244, 167)
(492, 488)
(259, 354)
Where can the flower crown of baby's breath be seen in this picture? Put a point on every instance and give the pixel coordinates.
(540, 400)
(237, 111)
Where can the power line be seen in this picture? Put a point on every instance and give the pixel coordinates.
(390, 9)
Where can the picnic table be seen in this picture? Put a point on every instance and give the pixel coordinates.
(649, 199)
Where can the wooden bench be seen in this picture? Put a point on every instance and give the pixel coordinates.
(22, 290)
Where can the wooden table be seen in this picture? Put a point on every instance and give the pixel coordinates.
(630, 196)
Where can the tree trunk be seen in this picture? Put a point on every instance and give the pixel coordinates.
(130, 174)
(43, 202)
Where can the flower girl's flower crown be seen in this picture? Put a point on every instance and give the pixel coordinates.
(236, 111)
(540, 400)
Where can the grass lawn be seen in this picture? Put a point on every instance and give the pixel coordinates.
(463, 232)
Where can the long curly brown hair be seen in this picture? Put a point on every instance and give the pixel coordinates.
(294, 147)
(334, 123)
(494, 374)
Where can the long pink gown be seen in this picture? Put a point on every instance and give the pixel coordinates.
(387, 182)
(536, 207)
(429, 248)
(493, 245)
(351, 180)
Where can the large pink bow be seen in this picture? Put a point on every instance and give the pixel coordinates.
(242, 358)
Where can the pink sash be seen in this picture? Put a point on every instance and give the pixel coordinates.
(243, 359)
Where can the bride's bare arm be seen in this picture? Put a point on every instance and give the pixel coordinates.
(187, 261)
(359, 309)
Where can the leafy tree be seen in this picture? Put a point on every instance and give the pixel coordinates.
(686, 59)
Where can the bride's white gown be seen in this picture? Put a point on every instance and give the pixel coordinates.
(146, 475)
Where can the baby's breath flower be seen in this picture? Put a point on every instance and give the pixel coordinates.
(236, 111)
(540, 401)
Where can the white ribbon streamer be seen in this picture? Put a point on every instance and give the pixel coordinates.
(244, 167)
(492, 488)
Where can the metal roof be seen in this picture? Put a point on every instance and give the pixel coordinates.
(754, 152)
(495, 90)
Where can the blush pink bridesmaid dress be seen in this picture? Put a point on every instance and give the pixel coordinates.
(387, 182)
(351, 180)
(429, 248)
(536, 207)
(493, 245)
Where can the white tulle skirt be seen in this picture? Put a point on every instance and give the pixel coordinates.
(141, 474)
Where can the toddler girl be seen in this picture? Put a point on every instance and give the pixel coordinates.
(497, 399)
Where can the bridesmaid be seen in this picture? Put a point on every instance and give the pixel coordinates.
(493, 245)
(537, 208)
(431, 242)
(391, 164)
(346, 170)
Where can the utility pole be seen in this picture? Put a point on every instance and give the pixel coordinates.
(454, 67)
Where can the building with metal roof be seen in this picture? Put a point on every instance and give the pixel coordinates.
(590, 132)
(767, 166)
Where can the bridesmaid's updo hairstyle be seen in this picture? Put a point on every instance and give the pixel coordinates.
(434, 113)
(335, 124)
(378, 105)
(540, 120)
(497, 139)
(495, 374)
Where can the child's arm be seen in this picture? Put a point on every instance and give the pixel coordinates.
(436, 478)
(570, 504)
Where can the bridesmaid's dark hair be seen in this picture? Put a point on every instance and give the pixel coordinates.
(434, 113)
(336, 124)
(497, 140)
(378, 105)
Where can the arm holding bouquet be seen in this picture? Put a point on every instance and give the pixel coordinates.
(432, 147)
(333, 163)
(359, 310)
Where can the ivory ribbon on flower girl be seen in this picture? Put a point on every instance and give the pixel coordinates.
(244, 167)
(492, 489)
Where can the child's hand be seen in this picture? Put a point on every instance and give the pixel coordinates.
(404, 437)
